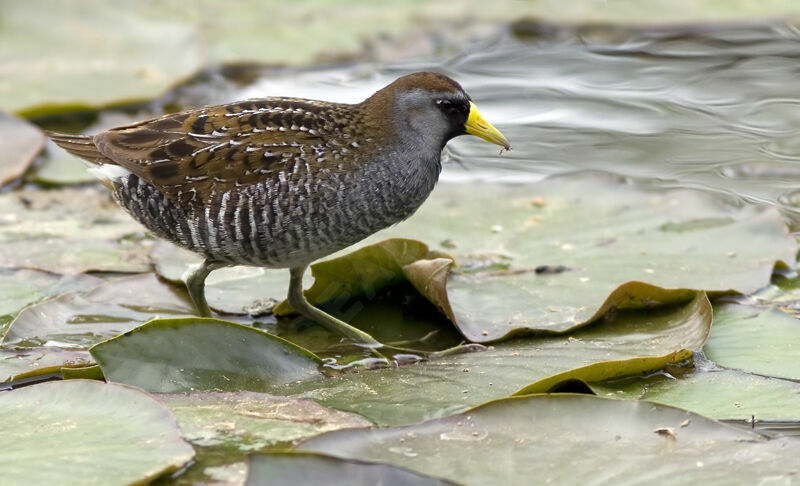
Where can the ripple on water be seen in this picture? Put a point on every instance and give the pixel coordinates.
(710, 107)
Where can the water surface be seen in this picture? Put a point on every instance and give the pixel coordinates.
(709, 107)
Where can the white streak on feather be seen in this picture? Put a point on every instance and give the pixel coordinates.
(109, 172)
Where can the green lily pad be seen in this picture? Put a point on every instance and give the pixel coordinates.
(225, 427)
(177, 355)
(27, 363)
(87, 432)
(78, 320)
(723, 394)
(20, 144)
(311, 468)
(763, 341)
(607, 370)
(556, 255)
(452, 384)
(512, 440)
(92, 372)
(364, 271)
(252, 421)
(94, 56)
(22, 287)
(69, 231)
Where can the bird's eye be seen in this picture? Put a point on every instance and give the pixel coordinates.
(444, 103)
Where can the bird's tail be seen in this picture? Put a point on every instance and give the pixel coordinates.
(80, 146)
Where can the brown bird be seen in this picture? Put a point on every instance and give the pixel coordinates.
(281, 182)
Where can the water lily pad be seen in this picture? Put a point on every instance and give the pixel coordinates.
(252, 421)
(19, 145)
(176, 355)
(310, 468)
(512, 440)
(92, 372)
(88, 432)
(69, 231)
(94, 56)
(22, 287)
(81, 320)
(364, 271)
(763, 341)
(21, 364)
(557, 254)
(723, 394)
(225, 427)
(452, 384)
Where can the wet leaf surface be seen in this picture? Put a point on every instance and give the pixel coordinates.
(20, 288)
(607, 240)
(178, 355)
(512, 440)
(61, 431)
(307, 468)
(68, 231)
(225, 427)
(28, 363)
(452, 384)
(49, 69)
(720, 394)
(251, 421)
(19, 145)
(761, 341)
(81, 320)
(364, 271)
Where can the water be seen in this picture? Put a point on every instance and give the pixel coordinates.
(710, 107)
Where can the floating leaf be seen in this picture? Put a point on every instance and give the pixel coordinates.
(69, 231)
(452, 384)
(27, 363)
(22, 287)
(760, 341)
(723, 394)
(87, 432)
(607, 370)
(309, 468)
(252, 421)
(364, 271)
(225, 427)
(110, 309)
(176, 355)
(87, 372)
(94, 56)
(512, 440)
(557, 254)
(19, 145)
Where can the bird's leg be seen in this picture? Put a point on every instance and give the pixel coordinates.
(299, 302)
(195, 279)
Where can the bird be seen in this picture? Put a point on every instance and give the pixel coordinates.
(280, 182)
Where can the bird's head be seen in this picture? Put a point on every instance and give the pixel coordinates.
(435, 108)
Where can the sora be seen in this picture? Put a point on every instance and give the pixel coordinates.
(281, 182)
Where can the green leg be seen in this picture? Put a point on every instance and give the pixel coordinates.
(195, 280)
(299, 302)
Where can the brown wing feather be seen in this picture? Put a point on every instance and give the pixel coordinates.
(209, 149)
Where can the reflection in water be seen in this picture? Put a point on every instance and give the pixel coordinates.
(712, 108)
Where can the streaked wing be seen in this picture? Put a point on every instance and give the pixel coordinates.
(199, 152)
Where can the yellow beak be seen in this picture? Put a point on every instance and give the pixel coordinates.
(478, 126)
